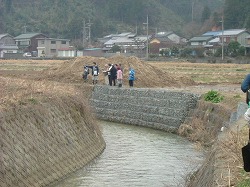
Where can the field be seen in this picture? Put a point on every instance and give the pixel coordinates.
(204, 73)
(186, 76)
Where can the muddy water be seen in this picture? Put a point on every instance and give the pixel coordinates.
(137, 156)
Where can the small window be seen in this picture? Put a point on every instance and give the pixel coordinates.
(63, 42)
(42, 42)
(53, 42)
(53, 50)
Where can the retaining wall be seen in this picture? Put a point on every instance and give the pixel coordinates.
(43, 142)
(155, 108)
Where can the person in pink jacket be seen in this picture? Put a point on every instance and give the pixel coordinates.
(119, 77)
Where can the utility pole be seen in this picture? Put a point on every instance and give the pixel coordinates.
(83, 34)
(193, 2)
(222, 38)
(89, 27)
(147, 38)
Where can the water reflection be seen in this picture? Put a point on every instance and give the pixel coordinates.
(137, 156)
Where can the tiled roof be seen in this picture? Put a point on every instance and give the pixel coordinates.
(232, 32)
(125, 40)
(225, 32)
(212, 33)
(14, 47)
(215, 40)
(56, 39)
(163, 34)
(162, 39)
(200, 38)
(26, 36)
(3, 35)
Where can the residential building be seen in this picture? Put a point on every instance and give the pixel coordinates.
(200, 41)
(164, 41)
(226, 36)
(7, 45)
(172, 36)
(248, 45)
(159, 44)
(53, 47)
(28, 42)
(128, 42)
(238, 35)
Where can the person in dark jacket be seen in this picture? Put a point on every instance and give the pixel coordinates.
(113, 75)
(245, 84)
(85, 73)
(95, 72)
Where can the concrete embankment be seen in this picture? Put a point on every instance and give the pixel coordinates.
(42, 140)
(155, 108)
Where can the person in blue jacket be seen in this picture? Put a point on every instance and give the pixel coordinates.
(131, 77)
(245, 85)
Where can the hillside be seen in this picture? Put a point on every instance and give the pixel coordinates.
(64, 18)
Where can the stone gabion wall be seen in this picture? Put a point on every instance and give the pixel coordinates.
(43, 142)
(156, 108)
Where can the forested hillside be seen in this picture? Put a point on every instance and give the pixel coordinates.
(65, 18)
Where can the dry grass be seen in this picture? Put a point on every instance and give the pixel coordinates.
(204, 73)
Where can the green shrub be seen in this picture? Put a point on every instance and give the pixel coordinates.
(213, 96)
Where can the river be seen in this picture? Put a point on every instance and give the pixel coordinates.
(137, 156)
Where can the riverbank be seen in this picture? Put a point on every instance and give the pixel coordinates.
(47, 132)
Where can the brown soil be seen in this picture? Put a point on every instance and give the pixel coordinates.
(146, 74)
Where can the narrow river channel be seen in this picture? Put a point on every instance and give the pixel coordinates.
(137, 156)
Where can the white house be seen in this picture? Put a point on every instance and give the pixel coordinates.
(53, 47)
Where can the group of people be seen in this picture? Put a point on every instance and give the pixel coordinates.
(113, 74)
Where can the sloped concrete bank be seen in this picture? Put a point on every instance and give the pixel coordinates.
(43, 140)
(155, 108)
